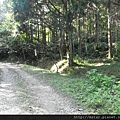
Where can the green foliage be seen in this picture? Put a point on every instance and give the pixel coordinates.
(118, 50)
(103, 90)
(58, 16)
(98, 91)
(22, 37)
(100, 80)
(78, 60)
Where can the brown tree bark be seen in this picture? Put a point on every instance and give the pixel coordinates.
(96, 29)
(109, 30)
(79, 36)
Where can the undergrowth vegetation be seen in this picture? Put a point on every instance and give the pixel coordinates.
(96, 89)
(103, 92)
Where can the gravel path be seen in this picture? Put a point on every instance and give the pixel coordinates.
(23, 93)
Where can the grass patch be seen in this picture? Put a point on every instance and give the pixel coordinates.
(93, 87)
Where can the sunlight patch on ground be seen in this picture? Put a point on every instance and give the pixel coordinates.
(101, 64)
(4, 85)
(36, 69)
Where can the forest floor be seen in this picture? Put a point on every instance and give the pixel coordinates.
(74, 82)
(24, 93)
(28, 89)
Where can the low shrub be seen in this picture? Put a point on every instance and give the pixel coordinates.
(104, 92)
(100, 80)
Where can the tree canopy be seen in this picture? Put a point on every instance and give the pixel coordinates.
(64, 28)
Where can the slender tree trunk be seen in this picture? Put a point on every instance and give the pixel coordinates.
(96, 29)
(70, 49)
(117, 36)
(53, 36)
(109, 31)
(61, 45)
(27, 28)
(85, 41)
(90, 27)
(38, 31)
(69, 40)
(79, 37)
(94, 24)
(48, 36)
(31, 34)
(44, 39)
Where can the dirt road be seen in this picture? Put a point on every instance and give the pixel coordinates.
(23, 93)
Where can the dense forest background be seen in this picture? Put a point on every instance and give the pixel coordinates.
(78, 38)
(61, 29)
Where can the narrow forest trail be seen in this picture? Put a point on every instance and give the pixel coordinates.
(23, 93)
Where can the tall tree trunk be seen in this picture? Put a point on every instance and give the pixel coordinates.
(79, 37)
(109, 31)
(90, 26)
(61, 44)
(96, 29)
(117, 32)
(38, 31)
(44, 39)
(31, 34)
(69, 40)
(85, 41)
(53, 36)
(70, 48)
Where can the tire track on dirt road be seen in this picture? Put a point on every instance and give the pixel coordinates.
(23, 93)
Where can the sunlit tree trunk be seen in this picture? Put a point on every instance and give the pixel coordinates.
(109, 31)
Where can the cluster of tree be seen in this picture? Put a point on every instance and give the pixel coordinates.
(59, 28)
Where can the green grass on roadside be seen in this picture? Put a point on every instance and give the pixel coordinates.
(81, 85)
